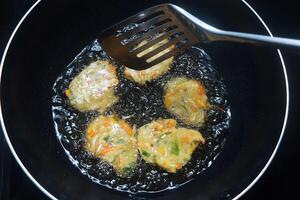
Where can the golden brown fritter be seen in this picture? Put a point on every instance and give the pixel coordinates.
(162, 143)
(186, 99)
(155, 71)
(93, 87)
(113, 140)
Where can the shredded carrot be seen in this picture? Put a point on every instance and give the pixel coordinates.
(168, 99)
(126, 127)
(111, 69)
(200, 103)
(126, 73)
(178, 166)
(155, 74)
(105, 150)
(218, 107)
(158, 127)
(67, 92)
(193, 107)
(106, 123)
(170, 123)
(200, 88)
(140, 144)
(90, 132)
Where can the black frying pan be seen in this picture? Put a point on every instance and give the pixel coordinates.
(55, 31)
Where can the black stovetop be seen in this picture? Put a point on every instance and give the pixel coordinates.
(279, 181)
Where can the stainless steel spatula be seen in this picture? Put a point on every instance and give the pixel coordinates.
(123, 41)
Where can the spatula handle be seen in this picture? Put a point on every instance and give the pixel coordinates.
(262, 40)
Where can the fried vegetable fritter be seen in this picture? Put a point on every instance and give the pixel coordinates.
(163, 144)
(112, 139)
(186, 99)
(155, 71)
(93, 88)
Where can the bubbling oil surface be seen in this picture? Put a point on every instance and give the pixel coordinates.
(139, 105)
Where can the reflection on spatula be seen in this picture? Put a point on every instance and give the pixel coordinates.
(168, 21)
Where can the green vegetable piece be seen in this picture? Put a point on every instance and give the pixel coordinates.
(174, 148)
(106, 138)
(145, 153)
(167, 133)
(127, 171)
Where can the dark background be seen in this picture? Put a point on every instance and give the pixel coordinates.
(278, 182)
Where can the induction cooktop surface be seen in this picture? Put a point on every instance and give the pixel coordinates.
(278, 182)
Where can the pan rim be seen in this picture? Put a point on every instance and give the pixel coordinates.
(37, 184)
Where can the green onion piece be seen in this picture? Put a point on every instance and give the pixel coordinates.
(145, 153)
(174, 148)
(106, 138)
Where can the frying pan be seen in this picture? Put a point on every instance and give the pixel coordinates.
(52, 32)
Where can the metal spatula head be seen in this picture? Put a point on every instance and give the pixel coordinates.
(129, 41)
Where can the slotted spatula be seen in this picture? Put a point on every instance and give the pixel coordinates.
(167, 21)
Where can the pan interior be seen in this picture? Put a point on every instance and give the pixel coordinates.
(139, 105)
